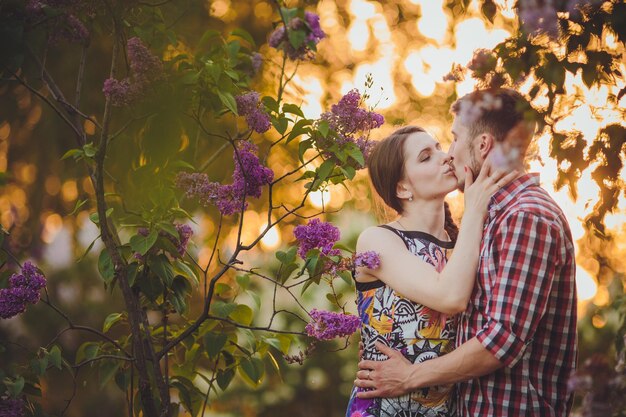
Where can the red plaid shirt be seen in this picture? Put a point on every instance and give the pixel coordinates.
(523, 308)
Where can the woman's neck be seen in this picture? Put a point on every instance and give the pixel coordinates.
(424, 216)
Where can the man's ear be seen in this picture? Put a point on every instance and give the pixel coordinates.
(486, 142)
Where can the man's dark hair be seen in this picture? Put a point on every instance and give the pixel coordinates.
(501, 110)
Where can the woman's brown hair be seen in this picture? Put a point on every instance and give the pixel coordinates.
(386, 168)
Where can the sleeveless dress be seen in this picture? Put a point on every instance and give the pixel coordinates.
(417, 331)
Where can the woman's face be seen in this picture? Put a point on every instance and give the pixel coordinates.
(427, 170)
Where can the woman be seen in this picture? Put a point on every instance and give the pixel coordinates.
(409, 301)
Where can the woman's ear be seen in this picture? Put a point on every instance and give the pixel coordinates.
(402, 191)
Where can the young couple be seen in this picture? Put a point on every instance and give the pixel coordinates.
(491, 329)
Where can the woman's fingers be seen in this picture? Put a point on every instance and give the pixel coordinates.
(469, 177)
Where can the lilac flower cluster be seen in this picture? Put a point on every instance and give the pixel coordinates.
(249, 178)
(145, 67)
(256, 60)
(539, 17)
(347, 118)
(23, 289)
(63, 25)
(317, 235)
(326, 325)
(313, 32)
(456, 74)
(369, 259)
(11, 407)
(483, 61)
(249, 105)
(184, 234)
(603, 387)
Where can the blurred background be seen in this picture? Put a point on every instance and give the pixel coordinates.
(408, 46)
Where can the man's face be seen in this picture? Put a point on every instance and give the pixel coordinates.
(463, 153)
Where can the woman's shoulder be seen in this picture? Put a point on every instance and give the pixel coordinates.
(377, 235)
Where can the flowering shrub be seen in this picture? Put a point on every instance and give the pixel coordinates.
(23, 289)
(369, 259)
(326, 325)
(145, 67)
(317, 234)
(298, 36)
(248, 179)
(248, 105)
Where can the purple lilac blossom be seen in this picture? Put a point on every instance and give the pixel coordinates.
(317, 235)
(249, 105)
(184, 234)
(326, 325)
(11, 407)
(483, 60)
(347, 117)
(256, 59)
(23, 289)
(120, 92)
(538, 18)
(146, 68)
(249, 177)
(279, 38)
(369, 259)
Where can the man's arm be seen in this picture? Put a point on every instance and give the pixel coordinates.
(526, 268)
(397, 376)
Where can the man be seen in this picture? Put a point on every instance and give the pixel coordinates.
(516, 342)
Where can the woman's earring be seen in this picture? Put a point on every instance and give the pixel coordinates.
(411, 197)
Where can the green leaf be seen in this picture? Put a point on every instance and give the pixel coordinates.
(15, 386)
(222, 309)
(105, 266)
(224, 378)
(142, 244)
(55, 357)
(287, 257)
(293, 109)
(241, 33)
(86, 351)
(357, 155)
(252, 369)
(280, 124)
(107, 371)
(323, 128)
(170, 229)
(228, 100)
(325, 169)
(79, 204)
(90, 150)
(270, 103)
(73, 153)
(180, 289)
(160, 265)
(299, 129)
(185, 270)
(242, 314)
(296, 38)
(304, 146)
(110, 321)
(243, 281)
(214, 343)
(39, 366)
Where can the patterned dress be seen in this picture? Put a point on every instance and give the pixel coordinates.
(417, 331)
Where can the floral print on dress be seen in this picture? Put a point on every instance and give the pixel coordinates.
(418, 332)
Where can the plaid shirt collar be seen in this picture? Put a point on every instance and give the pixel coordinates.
(506, 194)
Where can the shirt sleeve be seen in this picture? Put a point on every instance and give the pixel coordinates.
(525, 261)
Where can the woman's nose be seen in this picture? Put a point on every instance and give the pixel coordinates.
(447, 158)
